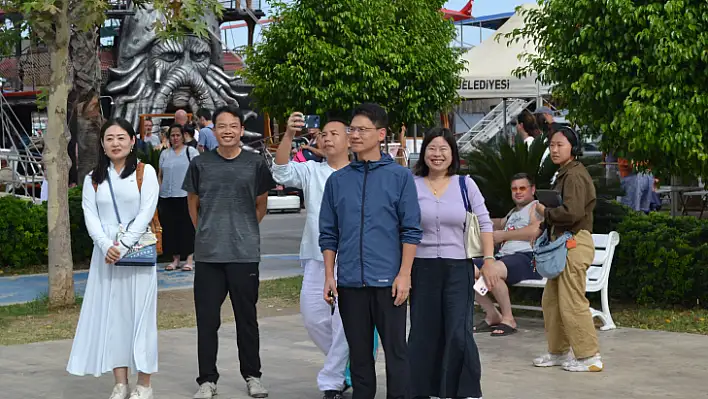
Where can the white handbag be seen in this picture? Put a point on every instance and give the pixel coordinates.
(473, 233)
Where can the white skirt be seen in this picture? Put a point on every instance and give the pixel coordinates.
(118, 322)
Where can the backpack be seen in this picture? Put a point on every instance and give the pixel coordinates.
(155, 222)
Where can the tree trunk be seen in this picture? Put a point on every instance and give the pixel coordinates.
(56, 159)
(84, 97)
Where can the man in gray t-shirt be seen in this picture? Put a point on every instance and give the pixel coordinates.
(227, 195)
(514, 262)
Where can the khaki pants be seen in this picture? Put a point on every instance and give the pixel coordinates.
(566, 312)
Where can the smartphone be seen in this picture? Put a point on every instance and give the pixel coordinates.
(312, 122)
(333, 302)
(481, 287)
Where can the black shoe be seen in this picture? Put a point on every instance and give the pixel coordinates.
(332, 394)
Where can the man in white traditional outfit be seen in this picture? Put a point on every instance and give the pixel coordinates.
(322, 322)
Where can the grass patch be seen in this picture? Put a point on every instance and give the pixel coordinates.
(34, 322)
(694, 321)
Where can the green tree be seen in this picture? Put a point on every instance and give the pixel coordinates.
(51, 22)
(325, 56)
(634, 70)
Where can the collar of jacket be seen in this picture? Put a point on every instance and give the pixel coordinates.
(359, 165)
(569, 166)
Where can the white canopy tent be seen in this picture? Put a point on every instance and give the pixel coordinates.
(490, 66)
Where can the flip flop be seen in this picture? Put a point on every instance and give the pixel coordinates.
(169, 268)
(505, 330)
(187, 268)
(483, 326)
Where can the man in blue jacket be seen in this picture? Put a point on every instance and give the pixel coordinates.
(370, 221)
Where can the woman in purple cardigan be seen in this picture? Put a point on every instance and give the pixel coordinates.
(443, 356)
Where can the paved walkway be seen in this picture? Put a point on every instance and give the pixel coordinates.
(25, 288)
(639, 364)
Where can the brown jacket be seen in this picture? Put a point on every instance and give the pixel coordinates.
(577, 189)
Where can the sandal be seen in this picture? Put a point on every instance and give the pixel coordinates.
(187, 268)
(170, 267)
(483, 326)
(505, 330)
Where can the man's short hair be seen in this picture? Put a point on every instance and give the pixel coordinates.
(343, 121)
(204, 113)
(376, 114)
(229, 109)
(522, 175)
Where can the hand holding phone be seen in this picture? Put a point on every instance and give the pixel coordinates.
(480, 286)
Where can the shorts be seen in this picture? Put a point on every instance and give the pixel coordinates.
(519, 267)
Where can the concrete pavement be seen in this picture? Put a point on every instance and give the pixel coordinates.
(280, 245)
(639, 364)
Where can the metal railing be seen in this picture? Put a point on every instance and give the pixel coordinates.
(241, 4)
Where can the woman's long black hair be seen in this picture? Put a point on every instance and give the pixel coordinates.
(421, 169)
(100, 172)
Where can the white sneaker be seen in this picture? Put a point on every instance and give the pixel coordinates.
(551, 360)
(256, 388)
(120, 391)
(206, 391)
(141, 392)
(591, 364)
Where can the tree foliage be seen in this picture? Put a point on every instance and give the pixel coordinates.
(326, 56)
(634, 70)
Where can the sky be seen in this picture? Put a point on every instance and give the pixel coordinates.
(238, 37)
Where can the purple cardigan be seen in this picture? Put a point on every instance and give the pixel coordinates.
(442, 220)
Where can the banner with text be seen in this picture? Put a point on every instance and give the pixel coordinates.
(500, 87)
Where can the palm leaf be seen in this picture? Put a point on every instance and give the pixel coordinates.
(492, 166)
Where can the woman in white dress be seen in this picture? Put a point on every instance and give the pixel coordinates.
(117, 329)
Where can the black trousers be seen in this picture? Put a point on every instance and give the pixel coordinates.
(177, 227)
(212, 281)
(361, 310)
(444, 359)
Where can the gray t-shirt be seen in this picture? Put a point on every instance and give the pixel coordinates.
(227, 229)
(518, 219)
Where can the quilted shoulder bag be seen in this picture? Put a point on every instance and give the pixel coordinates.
(144, 251)
(549, 256)
(473, 233)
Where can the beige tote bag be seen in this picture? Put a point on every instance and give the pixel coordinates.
(473, 234)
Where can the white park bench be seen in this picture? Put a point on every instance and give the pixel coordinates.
(598, 278)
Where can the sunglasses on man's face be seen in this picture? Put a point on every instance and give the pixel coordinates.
(521, 189)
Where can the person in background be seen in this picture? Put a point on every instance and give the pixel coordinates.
(571, 335)
(514, 261)
(544, 121)
(323, 323)
(638, 186)
(207, 140)
(117, 328)
(177, 228)
(444, 359)
(370, 222)
(150, 138)
(227, 193)
(546, 113)
(527, 128)
(189, 136)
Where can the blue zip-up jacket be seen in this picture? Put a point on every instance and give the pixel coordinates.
(369, 210)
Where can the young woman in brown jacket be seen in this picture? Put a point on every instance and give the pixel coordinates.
(571, 335)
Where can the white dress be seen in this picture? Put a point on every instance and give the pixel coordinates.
(118, 322)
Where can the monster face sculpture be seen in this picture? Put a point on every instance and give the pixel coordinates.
(155, 76)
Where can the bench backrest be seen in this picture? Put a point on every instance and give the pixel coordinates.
(605, 244)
